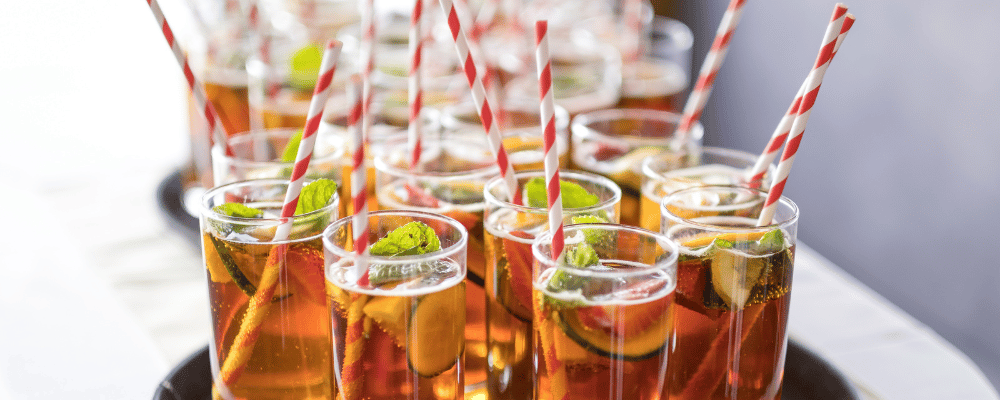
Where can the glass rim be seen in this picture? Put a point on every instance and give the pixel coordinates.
(207, 211)
(581, 130)
(645, 166)
(782, 202)
(449, 114)
(451, 250)
(661, 239)
(247, 136)
(398, 142)
(576, 175)
(674, 29)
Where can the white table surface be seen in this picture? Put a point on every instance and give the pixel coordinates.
(99, 298)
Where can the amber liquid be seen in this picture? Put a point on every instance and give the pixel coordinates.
(291, 357)
(565, 366)
(289, 109)
(386, 371)
(508, 317)
(231, 104)
(711, 360)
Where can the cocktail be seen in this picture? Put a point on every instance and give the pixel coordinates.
(448, 180)
(603, 313)
(271, 154)
(510, 230)
(398, 314)
(658, 78)
(614, 142)
(277, 347)
(666, 173)
(734, 286)
(522, 131)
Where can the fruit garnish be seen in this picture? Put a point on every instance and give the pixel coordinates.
(419, 197)
(737, 262)
(414, 238)
(573, 195)
(519, 260)
(234, 271)
(292, 147)
(437, 328)
(630, 332)
(315, 195)
(458, 193)
(238, 210)
(390, 313)
(304, 67)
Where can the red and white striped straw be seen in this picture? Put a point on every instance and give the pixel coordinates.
(214, 123)
(812, 84)
(359, 179)
(368, 46)
(479, 28)
(706, 77)
(756, 173)
(632, 31)
(486, 114)
(416, 91)
(548, 119)
(260, 303)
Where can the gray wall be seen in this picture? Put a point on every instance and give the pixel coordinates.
(897, 177)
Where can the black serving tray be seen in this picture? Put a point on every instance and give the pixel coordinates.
(170, 198)
(807, 377)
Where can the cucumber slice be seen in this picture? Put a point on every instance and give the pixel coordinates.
(436, 331)
(641, 333)
(234, 271)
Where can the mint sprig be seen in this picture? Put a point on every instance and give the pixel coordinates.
(291, 148)
(573, 195)
(315, 195)
(414, 238)
(238, 210)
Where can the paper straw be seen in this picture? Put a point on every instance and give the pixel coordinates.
(359, 179)
(812, 84)
(368, 46)
(706, 77)
(632, 29)
(354, 341)
(260, 303)
(416, 88)
(214, 123)
(756, 173)
(486, 114)
(543, 62)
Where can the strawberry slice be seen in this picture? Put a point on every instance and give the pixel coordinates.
(305, 268)
(519, 263)
(418, 197)
(631, 319)
(606, 151)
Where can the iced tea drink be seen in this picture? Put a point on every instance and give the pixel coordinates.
(399, 315)
(603, 313)
(733, 292)
(449, 180)
(614, 142)
(276, 348)
(510, 230)
(666, 173)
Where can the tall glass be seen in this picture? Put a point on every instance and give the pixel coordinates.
(257, 155)
(398, 323)
(614, 142)
(603, 313)
(521, 125)
(510, 230)
(666, 173)
(660, 77)
(277, 347)
(735, 282)
(449, 180)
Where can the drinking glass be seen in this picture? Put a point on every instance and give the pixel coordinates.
(267, 345)
(603, 313)
(398, 322)
(613, 143)
(666, 173)
(448, 180)
(510, 230)
(735, 281)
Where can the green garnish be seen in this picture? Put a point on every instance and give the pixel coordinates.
(412, 239)
(292, 147)
(238, 210)
(582, 256)
(573, 195)
(304, 67)
(315, 195)
(772, 241)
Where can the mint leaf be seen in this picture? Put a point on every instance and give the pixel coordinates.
(315, 195)
(412, 239)
(723, 243)
(304, 67)
(292, 147)
(573, 195)
(590, 235)
(582, 256)
(238, 210)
